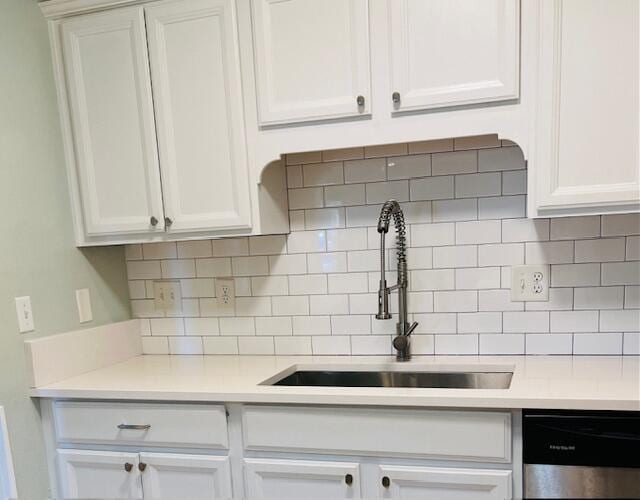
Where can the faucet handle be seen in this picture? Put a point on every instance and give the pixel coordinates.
(411, 328)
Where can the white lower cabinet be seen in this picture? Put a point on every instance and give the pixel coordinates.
(297, 479)
(401, 482)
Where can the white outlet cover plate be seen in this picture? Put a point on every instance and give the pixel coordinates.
(83, 301)
(167, 296)
(523, 283)
(226, 294)
(25, 314)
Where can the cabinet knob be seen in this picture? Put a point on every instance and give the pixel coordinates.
(348, 479)
(168, 221)
(360, 100)
(386, 482)
(128, 467)
(153, 221)
(142, 466)
(395, 97)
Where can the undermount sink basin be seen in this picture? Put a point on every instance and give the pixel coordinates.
(405, 379)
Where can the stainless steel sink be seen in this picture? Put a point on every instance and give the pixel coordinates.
(440, 380)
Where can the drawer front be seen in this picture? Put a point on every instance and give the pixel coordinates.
(177, 425)
(454, 435)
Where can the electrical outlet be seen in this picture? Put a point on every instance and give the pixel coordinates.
(25, 314)
(167, 296)
(83, 301)
(226, 293)
(530, 283)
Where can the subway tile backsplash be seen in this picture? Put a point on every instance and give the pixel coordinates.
(314, 291)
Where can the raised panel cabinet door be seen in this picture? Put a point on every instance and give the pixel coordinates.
(195, 67)
(453, 52)
(587, 125)
(99, 474)
(109, 94)
(297, 479)
(311, 59)
(407, 483)
(171, 476)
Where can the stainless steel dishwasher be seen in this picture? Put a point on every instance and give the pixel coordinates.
(581, 454)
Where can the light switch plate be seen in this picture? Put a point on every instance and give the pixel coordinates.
(167, 296)
(25, 314)
(530, 283)
(226, 293)
(83, 301)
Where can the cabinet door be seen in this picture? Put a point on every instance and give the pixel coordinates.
(453, 52)
(586, 157)
(109, 93)
(296, 479)
(99, 474)
(195, 66)
(171, 476)
(399, 482)
(311, 59)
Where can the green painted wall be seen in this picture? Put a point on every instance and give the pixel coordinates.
(37, 254)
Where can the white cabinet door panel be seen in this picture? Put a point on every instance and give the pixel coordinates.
(193, 50)
(109, 90)
(311, 59)
(99, 474)
(172, 475)
(587, 132)
(418, 483)
(297, 479)
(454, 52)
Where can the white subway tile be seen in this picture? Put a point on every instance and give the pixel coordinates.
(379, 192)
(293, 346)
(201, 326)
(194, 249)
(184, 268)
(267, 245)
(621, 273)
(514, 182)
(256, 346)
(198, 287)
(331, 345)
(332, 262)
(137, 289)
(501, 207)
(311, 325)
(620, 225)
(190, 308)
(432, 146)
(525, 322)
(497, 300)
(323, 174)
(343, 154)
(185, 345)
(477, 277)
(477, 185)
(454, 210)
(501, 254)
(633, 248)
(253, 306)
(575, 275)
(145, 327)
(419, 302)
(370, 346)
(345, 195)
(431, 188)
(144, 309)
(249, 266)
(211, 308)
(436, 323)
(600, 250)
(294, 176)
(307, 241)
(365, 170)
(133, 252)
(487, 231)
(380, 150)
(418, 258)
(423, 235)
(455, 256)
(143, 270)
(407, 167)
(455, 301)
(574, 321)
(306, 157)
(632, 297)
(551, 252)
(237, 326)
(325, 218)
(440, 279)
(570, 228)
(366, 215)
(631, 344)
(505, 277)
(310, 284)
(230, 247)
(288, 264)
(502, 343)
(383, 326)
(609, 297)
(350, 325)
(348, 283)
(417, 212)
(560, 299)
(597, 343)
(306, 198)
(363, 303)
(329, 304)
(213, 268)
(517, 230)
(269, 285)
(459, 162)
(167, 326)
(273, 326)
(480, 322)
(290, 306)
(163, 250)
(456, 344)
(510, 158)
(220, 345)
(347, 239)
(620, 321)
(155, 345)
(363, 260)
(296, 220)
(544, 344)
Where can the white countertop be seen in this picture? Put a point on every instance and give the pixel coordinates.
(602, 382)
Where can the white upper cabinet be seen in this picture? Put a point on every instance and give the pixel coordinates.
(453, 52)
(311, 59)
(586, 152)
(195, 69)
(111, 111)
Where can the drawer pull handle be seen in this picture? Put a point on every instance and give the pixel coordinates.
(142, 466)
(348, 479)
(134, 427)
(128, 467)
(386, 481)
